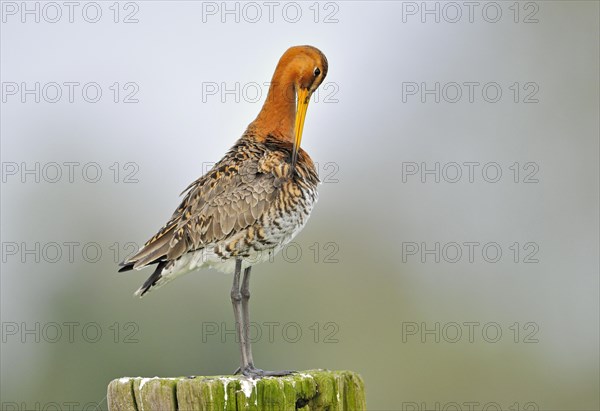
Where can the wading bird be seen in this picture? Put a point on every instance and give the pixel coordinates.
(251, 203)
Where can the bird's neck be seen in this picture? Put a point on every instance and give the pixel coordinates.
(277, 116)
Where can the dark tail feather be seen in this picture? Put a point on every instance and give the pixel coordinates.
(154, 277)
(125, 266)
(128, 266)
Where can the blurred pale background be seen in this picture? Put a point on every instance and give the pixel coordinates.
(360, 297)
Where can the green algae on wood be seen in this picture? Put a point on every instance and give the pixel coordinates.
(120, 393)
(306, 390)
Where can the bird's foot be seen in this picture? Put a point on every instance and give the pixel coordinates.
(254, 372)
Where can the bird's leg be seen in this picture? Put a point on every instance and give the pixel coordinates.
(236, 301)
(245, 291)
(250, 370)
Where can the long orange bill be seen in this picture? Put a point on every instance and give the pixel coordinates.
(301, 107)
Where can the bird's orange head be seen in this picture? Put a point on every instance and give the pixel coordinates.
(303, 66)
(299, 73)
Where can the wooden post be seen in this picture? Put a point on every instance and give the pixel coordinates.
(306, 390)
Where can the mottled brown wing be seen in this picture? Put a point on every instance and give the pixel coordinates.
(153, 251)
(224, 204)
(225, 201)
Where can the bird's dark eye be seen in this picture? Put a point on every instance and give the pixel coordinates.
(317, 71)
